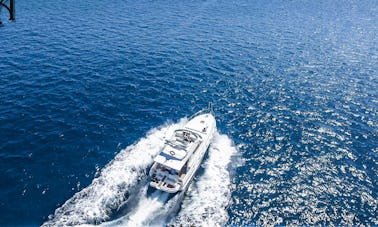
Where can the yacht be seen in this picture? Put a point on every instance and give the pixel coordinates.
(175, 166)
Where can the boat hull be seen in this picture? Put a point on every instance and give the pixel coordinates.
(201, 157)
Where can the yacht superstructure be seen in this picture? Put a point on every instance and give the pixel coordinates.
(177, 163)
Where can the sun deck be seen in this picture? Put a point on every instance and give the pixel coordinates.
(178, 150)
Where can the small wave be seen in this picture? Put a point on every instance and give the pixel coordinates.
(110, 191)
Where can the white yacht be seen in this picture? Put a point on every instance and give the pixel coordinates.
(177, 163)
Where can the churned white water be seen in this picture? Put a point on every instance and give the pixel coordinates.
(109, 191)
(204, 204)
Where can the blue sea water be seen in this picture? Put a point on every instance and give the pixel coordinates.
(88, 86)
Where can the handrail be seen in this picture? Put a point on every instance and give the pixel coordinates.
(209, 109)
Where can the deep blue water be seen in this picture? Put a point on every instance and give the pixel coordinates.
(294, 85)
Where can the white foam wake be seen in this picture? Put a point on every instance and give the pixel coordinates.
(206, 202)
(147, 208)
(203, 206)
(109, 191)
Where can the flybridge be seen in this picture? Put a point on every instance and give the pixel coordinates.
(180, 158)
(10, 6)
(179, 149)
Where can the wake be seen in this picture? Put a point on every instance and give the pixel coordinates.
(149, 206)
(111, 190)
(145, 211)
(121, 190)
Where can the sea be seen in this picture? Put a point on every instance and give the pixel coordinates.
(89, 91)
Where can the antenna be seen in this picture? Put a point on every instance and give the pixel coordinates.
(210, 107)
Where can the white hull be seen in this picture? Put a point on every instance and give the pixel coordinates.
(175, 167)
